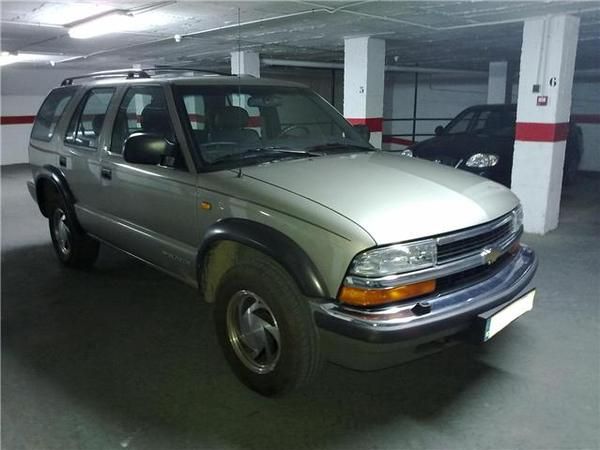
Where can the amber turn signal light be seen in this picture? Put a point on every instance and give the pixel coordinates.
(373, 297)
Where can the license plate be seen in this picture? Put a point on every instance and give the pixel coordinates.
(498, 319)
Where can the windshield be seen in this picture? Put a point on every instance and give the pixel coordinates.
(483, 121)
(233, 126)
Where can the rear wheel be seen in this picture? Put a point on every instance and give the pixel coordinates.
(265, 328)
(73, 247)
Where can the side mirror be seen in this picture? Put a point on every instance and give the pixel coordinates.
(146, 148)
(439, 130)
(363, 131)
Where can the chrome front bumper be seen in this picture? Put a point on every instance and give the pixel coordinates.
(451, 312)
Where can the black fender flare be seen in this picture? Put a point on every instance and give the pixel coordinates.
(58, 180)
(271, 242)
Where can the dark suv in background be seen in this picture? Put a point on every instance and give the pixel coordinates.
(481, 140)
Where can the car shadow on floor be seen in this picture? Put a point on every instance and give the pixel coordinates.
(138, 347)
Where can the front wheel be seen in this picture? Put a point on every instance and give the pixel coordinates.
(265, 328)
(73, 247)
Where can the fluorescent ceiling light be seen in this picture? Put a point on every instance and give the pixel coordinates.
(11, 58)
(113, 22)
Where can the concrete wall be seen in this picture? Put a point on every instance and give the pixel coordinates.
(327, 83)
(23, 91)
(438, 96)
(14, 138)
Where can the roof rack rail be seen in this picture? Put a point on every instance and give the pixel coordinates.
(129, 74)
(168, 69)
(138, 73)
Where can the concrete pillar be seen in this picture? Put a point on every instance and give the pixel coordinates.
(498, 89)
(245, 63)
(364, 68)
(543, 111)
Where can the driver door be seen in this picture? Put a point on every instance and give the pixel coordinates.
(151, 210)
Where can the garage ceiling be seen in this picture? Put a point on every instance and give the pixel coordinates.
(453, 35)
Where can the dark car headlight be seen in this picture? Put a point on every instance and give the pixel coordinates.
(482, 160)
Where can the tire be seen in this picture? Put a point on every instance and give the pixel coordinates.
(570, 170)
(283, 352)
(73, 247)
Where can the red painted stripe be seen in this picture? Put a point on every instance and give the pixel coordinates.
(374, 123)
(586, 118)
(198, 118)
(254, 122)
(16, 120)
(542, 132)
(396, 140)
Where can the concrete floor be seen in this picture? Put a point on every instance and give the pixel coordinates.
(125, 357)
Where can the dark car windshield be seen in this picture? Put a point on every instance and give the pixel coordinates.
(232, 126)
(494, 122)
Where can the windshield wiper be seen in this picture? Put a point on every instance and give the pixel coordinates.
(263, 152)
(288, 150)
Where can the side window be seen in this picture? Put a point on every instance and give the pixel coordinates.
(194, 105)
(50, 113)
(86, 123)
(461, 123)
(483, 121)
(143, 109)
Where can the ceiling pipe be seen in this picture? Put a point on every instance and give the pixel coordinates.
(340, 66)
(297, 63)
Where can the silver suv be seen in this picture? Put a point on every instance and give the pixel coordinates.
(311, 244)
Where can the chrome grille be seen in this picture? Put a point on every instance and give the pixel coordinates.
(467, 246)
(473, 240)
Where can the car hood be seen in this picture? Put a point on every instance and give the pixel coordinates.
(392, 198)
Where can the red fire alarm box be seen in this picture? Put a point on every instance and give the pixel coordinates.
(542, 100)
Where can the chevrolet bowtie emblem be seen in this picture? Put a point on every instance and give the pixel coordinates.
(490, 255)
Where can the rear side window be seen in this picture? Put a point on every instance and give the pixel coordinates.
(88, 119)
(50, 113)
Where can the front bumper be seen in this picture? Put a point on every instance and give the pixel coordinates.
(371, 339)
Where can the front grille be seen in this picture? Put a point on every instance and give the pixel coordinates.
(471, 276)
(463, 247)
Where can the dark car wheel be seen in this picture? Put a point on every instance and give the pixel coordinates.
(570, 171)
(265, 328)
(73, 247)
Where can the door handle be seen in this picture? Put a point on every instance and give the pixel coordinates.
(106, 173)
(62, 161)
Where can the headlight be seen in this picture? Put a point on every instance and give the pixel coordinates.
(407, 152)
(394, 259)
(517, 219)
(481, 160)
